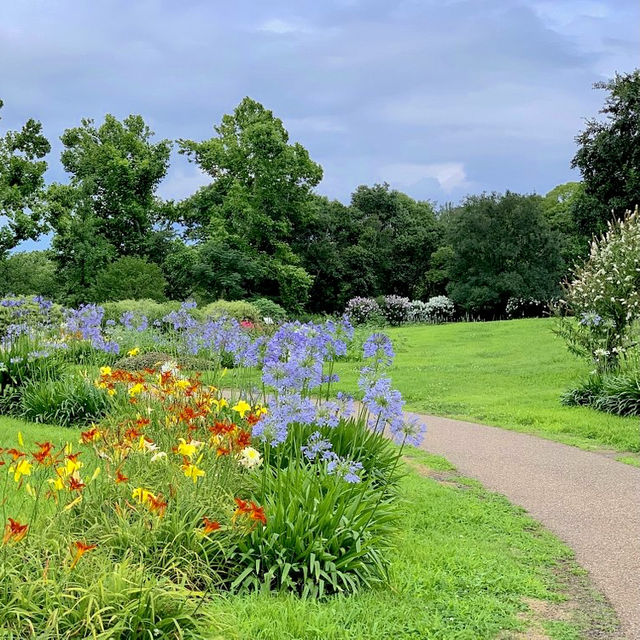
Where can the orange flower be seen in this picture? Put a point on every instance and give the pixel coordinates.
(76, 484)
(43, 455)
(243, 439)
(14, 531)
(249, 509)
(90, 435)
(80, 549)
(15, 454)
(209, 526)
(157, 505)
(120, 477)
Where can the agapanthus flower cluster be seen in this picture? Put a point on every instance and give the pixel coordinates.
(86, 323)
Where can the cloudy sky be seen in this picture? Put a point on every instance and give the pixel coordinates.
(437, 97)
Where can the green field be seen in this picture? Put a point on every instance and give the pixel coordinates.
(509, 374)
(467, 565)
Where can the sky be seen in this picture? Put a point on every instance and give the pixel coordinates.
(439, 98)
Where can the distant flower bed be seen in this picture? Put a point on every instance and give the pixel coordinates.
(182, 489)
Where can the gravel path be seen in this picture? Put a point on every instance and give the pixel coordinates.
(588, 500)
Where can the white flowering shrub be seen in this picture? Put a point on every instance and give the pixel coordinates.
(440, 309)
(396, 309)
(604, 295)
(362, 310)
(419, 312)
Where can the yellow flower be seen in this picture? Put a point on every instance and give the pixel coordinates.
(30, 491)
(111, 392)
(23, 468)
(187, 449)
(133, 352)
(220, 404)
(259, 410)
(183, 384)
(105, 371)
(57, 483)
(241, 407)
(142, 495)
(136, 389)
(191, 471)
(72, 465)
(20, 439)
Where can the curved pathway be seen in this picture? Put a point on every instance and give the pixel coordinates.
(588, 500)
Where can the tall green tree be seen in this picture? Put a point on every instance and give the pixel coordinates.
(502, 247)
(608, 156)
(22, 171)
(259, 198)
(109, 207)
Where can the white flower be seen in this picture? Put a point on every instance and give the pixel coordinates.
(250, 458)
(158, 456)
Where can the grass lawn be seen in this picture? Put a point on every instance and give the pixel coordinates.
(509, 374)
(467, 565)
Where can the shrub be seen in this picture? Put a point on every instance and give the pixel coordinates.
(69, 400)
(323, 535)
(238, 309)
(364, 310)
(526, 308)
(396, 309)
(155, 359)
(617, 393)
(32, 311)
(150, 309)
(269, 309)
(129, 277)
(605, 295)
(440, 309)
(29, 273)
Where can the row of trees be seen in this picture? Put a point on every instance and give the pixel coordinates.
(259, 229)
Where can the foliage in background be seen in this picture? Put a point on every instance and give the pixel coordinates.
(502, 248)
(22, 171)
(608, 156)
(129, 277)
(29, 273)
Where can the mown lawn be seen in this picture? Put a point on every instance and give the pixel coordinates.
(509, 374)
(465, 565)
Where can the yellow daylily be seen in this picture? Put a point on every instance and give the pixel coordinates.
(133, 352)
(105, 371)
(220, 404)
(193, 472)
(57, 483)
(136, 389)
(20, 439)
(187, 448)
(241, 407)
(183, 384)
(142, 495)
(23, 468)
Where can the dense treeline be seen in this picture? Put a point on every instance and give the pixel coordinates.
(260, 230)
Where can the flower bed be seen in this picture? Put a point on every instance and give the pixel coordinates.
(182, 490)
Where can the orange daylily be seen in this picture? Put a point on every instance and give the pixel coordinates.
(209, 526)
(14, 531)
(80, 549)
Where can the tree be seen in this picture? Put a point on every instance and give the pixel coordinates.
(129, 278)
(609, 156)
(21, 184)
(109, 207)
(502, 247)
(560, 206)
(259, 199)
(29, 273)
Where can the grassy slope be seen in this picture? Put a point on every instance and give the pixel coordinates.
(464, 562)
(509, 374)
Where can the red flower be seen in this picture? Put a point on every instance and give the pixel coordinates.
(81, 548)
(209, 526)
(14, 531)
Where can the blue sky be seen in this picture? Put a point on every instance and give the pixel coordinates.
(438, 97)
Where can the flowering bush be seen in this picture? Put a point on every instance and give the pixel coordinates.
(604, 295)
(396, 309)
(440, 309)
(363, 310)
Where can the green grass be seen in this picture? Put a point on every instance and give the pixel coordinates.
(464, 561)
(508, 374)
